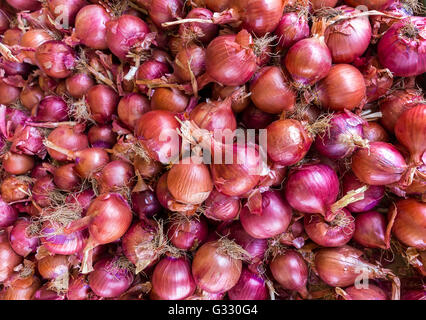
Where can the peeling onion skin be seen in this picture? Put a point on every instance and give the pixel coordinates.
(90, 30)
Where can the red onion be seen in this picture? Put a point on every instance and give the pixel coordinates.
(372, 195)
(14, 188)
(78, 288)
(20, 5)
(15, 163)
(250, 286)
(402, 48)
(372, 230)
(8, 214)
(124, 33)
(31, 96)
(229, 61)
(167, 200)
(291, 29)
(381, 164)
(78, 84)
(156, 131)
(102, 136)
(291, 271)
(410, 223)
(330, 234)
(371, 4)
(170, 99)
(115, 176)
(8, 94)
(51, 108)
(348, 39)
(56, 59)
(66, 10)
(342, 88)
(8, 258)
(172, 279)
(67, 137)
(90, 26)
(187, 234)
(150, 70)
(189, 62)
(42, 191)
(21, 286)
(111, 277)
(56, 241)
(371, 293)
(102, 102)
(161, 11)
(240, 102)
(254, 118)
(394, 104)
(309, 60)
(196, 31)
(221, 207)
(217, 266)
(145, 204)
(44, 293)
(34, 39)
(344, 135)
(82, 199)
(131, 107)
(271, 92)
(288, 141)
(14, 68)
(375, 132)
(274, 218)
(21, 241)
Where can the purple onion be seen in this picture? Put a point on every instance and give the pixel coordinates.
(145, 204)
(51, 108)
(250, 286)
(8, 214)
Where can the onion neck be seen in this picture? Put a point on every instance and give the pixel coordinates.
(350, 197)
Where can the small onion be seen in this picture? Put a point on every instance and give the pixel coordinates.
(90, 26)
(15, 163)
(102, 102)
(221, 207)
(169, 99)
(22, 242)
(291, 29)
(51, 108)
(187, 234)
(250, 286)
(67, 137)
(115, 176)
(145, 204)
(189, 62)
(8, 214)
(56, 59)
(371, 293)
(102, 136)
(131, 107)
(372, 231)
(78, 84)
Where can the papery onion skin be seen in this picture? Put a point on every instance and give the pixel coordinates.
(15, 163)
(89, 161)
(250, 286)
(290, 270)
(90, 26)
(214, 271)
(56, 242)
(228, 61)
(53, 267)
(14, 189)
(410, 130)
(22, 242)
(204, 32)
(223, 92)
(291, 29)
(410, 223)
(187, 234)
(189, 62)
(33, 39)
(78, 288)
(56, 59)
(23, 288)
(149, 70)
(274, 219)
(102, 102)
(342, 88)
(288, 141)
(70, 138)
(66, 10)
(131, 107)
(370, 230)
(115, 176)
(221, 207)
(172, 279)
(163, 11)
(333, 234)
(30, 96)
(381, 164)
(372, 196)
(271, 92)
(8, 94)
(404, 52)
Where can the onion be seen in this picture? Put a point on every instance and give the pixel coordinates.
(15, 163)
(56, 269)
(342, 266)
(81, 199)
(274, 218)
(131, 107)
(67, 137)
(66, 10)
(44, 293)
(410, 130)
(217, 265)
(342, 88)
(239, 103)
(4, 21)
(187, 234)
(196, 31)
(345, 134)
(90, 26)
(221, 207)
(31, 96)
(145, 204)
(313, 188)
(394, 104)
(78, 288)
(372, 196)
(371, 4)
(161, 11)
(373, 131)
(372, 231)
(288, 141)
(150, 70)
(291, 271)
(8, 214)
(51, 108)
(42, 191)
(14, 68)
(115, 176)
(189, 62)
(169, 99)
(9, 259)
(143, 244)
(254, 118)
(292, 28)
(410, 223)
(381, 164)
(14, 188)
(8, 94)
(111, 277)
(250, 286)
(309, 60)
(56, 59)
(348, 39)
(401, 49)
(371, 293)
(34, 39)
(20, 5)
(102, 102)
(333, 234)
(78, 84)
(229, 61)
(270, 91)
(102, 136)
(21, 286)
(214, 116)
(156, 131)
(124, 33)
(108, 218)
(167, 200)
(21, 241)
